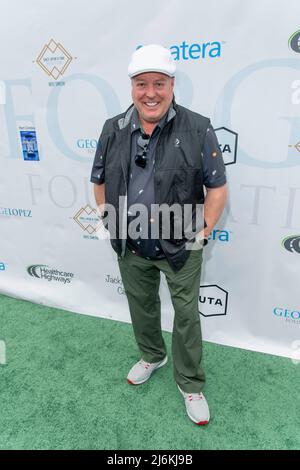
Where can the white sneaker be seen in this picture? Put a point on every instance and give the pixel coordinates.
(143, 370)
(196, 407)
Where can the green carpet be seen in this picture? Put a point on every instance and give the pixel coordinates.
(64, 387)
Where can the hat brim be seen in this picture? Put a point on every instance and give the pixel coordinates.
(139, 72)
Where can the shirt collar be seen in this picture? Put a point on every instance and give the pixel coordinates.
(135, 121)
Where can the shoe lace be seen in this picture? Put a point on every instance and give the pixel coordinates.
(195, 396)
(144, 364)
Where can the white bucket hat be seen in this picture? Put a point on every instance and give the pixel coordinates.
(152, 58)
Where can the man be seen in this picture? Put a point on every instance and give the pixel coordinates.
(158, 152)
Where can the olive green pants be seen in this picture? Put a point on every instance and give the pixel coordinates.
(141, 279)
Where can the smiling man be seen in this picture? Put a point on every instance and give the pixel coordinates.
(160, 153)
(152, 94)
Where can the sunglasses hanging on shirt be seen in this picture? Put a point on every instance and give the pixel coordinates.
(141, 156)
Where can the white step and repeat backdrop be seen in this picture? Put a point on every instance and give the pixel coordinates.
(64, 71)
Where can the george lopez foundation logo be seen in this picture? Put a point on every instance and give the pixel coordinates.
(287, 314)
(42, 271)
(54, 59)
(14, 212)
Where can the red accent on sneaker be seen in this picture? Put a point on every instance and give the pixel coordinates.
(131, 383)
(202, 423)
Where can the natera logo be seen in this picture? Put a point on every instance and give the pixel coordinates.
(2, 266)
(220, 235)
(212, 301)
(42, 271)
(294, 41)
(292, 243)
(196, 50)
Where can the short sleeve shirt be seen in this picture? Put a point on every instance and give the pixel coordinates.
(141, 180)
(214, 173)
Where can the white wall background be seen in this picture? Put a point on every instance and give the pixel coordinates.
(251, 88)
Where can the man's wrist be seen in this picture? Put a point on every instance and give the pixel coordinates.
(101, 211)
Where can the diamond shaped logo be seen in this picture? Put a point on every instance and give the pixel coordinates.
(88, 219)
(296, 146)
(54, 59)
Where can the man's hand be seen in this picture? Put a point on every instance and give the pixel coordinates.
(201, 238)
(99, 192)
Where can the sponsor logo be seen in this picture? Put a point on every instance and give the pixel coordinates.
(290, 316)
(294, 41)
(196, 50)
(220, 235)
(42, 271)
(89, 145)
(54, 59)
(228, 140)
(29, 145)
(212, 301)
(296, 146)
(13, 212)
(292, 243)
(88, 220)
(2, 266)
(116, 282)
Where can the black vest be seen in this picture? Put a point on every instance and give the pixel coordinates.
(178, 171)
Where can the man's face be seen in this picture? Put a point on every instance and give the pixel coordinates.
(152, 94)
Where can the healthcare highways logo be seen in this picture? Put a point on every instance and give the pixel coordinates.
(42, 271)
(292, 243)
(294, 41)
